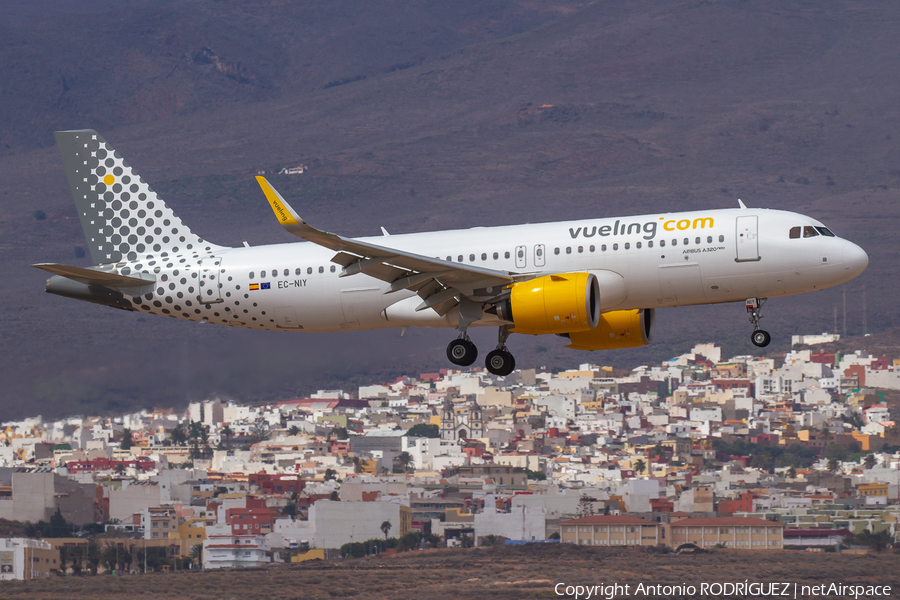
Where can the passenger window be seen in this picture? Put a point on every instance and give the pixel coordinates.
(309, 270)
(483, 256)
(795, 233)
(287, 272)
(697, 241)
(459, 258)
(809, 231)
(674, 242)
(721, 238)
(449, 258)
(568, 249)
(638, 245)
(556, 251)
(538, 252)
(332, 268)
(580, 249)
(686, 241)
(627, 245)
(650, 244)
(262, 274)
(471, 258)
(662, 243)
(603, 248)
(251, 275)
(520, 254)
(321, 269)
(615, 246)
(506, 254)
(591, 248)
(298, 271)
(825, 231)
(496, 256)
(709, 239)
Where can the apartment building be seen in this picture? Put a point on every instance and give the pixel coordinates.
(742, 533)
(610, 530)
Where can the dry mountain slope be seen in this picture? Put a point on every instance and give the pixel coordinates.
(524, 115)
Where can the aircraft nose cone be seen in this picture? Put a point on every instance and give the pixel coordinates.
(855, 259)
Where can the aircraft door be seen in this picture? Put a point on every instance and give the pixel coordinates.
(521, 259)
(539, 251)
(210, 288)
(747, 238)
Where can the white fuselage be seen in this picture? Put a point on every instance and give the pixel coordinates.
(672, 259)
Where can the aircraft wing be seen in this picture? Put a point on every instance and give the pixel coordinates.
(440, 283)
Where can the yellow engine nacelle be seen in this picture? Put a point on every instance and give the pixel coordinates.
(564, 303)
(617, 329)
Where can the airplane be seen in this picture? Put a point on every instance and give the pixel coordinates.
(595, 282)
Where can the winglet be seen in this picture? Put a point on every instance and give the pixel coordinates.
(741, 203)
(284, 212)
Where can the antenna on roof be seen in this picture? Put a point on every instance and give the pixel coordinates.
(741, 203)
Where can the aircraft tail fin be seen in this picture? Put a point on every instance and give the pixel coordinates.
(122, 217)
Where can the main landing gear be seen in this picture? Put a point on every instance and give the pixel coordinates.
(499, 361)
(759, 337)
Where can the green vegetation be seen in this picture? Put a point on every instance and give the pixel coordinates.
(58, 527)
(769, 457)
(409, 541)
(424, 431)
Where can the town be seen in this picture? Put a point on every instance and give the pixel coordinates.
(793, 452)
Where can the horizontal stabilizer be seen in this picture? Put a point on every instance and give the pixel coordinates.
(94, 277)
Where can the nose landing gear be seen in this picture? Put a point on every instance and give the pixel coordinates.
(759, 337)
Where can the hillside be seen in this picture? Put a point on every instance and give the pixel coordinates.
(417, 117)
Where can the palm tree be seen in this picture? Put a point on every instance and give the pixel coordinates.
(385, 528)
(640, 466)
(197, 554)
(792, 473)
(833, 464)
(404, 459)
(178, 436)
(294, 430)
(227, 432)
(870, 461)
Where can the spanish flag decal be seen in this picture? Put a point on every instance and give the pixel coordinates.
(254, 286)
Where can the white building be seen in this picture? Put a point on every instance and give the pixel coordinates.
(228, 550)
(520, 523)
(339, 523)
(17, 554)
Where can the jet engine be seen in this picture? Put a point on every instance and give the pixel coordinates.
(616, 329)
(564, 303)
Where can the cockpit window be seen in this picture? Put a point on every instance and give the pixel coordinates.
(825, 231)
(795, 233)
(809, 231)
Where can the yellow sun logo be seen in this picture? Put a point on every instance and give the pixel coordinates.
(109, 179)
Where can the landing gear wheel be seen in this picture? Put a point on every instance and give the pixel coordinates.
(760, 338)
(462, 352)
(500, 362)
